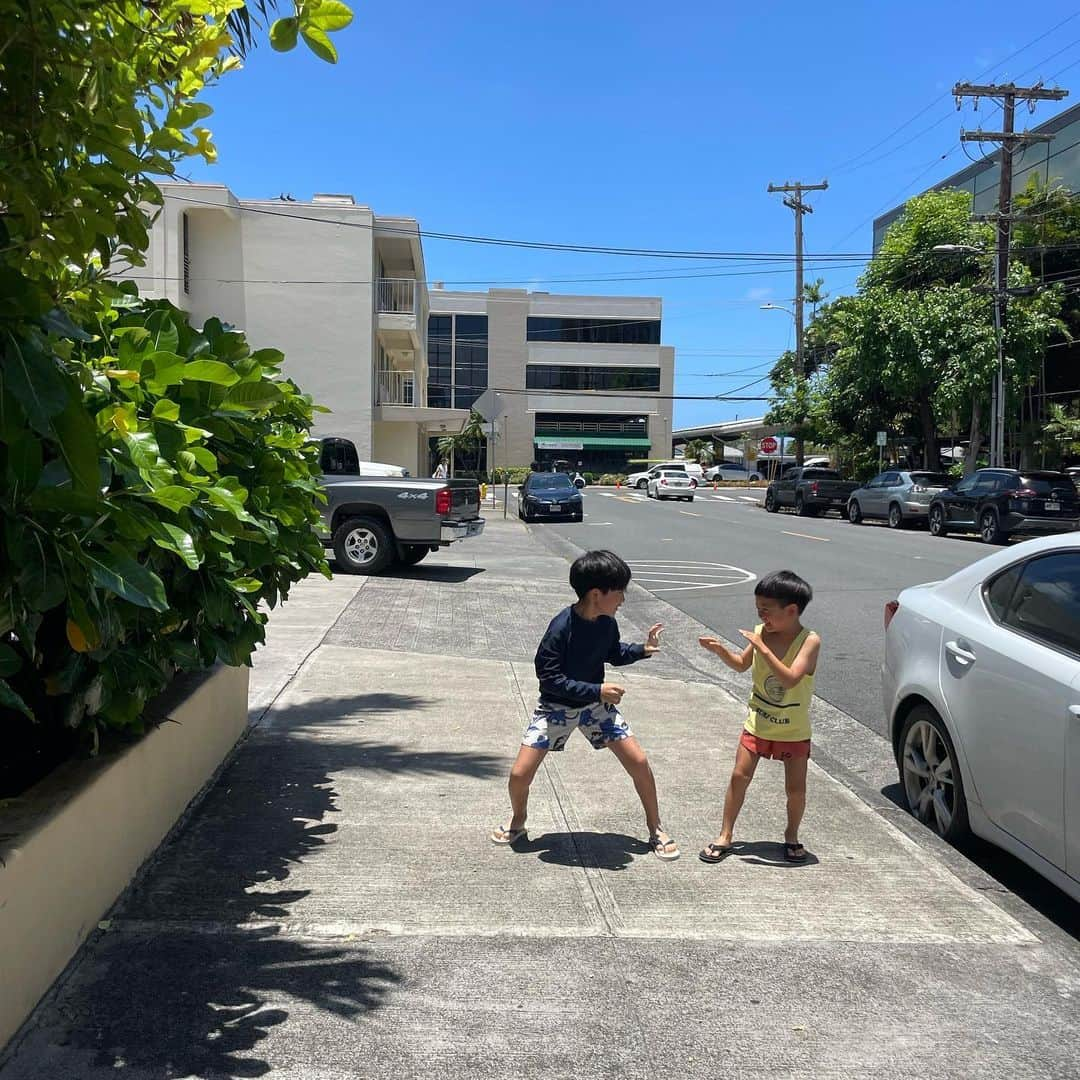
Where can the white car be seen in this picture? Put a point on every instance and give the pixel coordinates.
(670, 484)
(981, 684)
(729, 470)
(640, 480)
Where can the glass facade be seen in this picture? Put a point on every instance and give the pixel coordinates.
(569, 377)
(588, 331)
(457, 360)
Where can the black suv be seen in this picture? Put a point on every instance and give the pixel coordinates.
(1000, 502)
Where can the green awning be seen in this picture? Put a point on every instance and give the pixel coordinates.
(573, 442)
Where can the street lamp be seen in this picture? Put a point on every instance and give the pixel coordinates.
(997, 394)
(800, 447)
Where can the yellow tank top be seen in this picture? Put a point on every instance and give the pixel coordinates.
(776, 713)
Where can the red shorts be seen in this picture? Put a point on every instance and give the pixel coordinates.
(775, 749)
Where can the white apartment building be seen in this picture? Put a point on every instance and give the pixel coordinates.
(342, 292)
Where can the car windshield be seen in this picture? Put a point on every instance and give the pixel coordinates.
(931, 479)
(1047, 483)
(551, 482)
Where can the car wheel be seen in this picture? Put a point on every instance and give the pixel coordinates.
(363, 546)
(854, 513)
(937, 522)
(642, 484)
(413, 553)
(989, 529)
(800, 506)
(693, 482)
(770, 502)
(896, 516)
(930, 775)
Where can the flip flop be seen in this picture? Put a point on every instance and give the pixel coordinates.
(792, 852)
(657, 845)
(505, 835)
(714, 853)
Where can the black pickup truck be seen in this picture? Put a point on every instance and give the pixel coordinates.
(809, 491)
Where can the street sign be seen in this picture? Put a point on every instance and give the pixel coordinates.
(882, 438)
(768, 445)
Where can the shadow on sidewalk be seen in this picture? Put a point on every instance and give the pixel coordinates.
(766, 853)
(449, 575)
(195, 971)
(604, 851)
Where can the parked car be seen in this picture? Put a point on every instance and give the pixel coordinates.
(808, 463)
(549, 495)
(671, 484)
(898, 496)
(373, 522)
(981, 685)
(999, 503)
(729, 470)
(640, 480)
(810, 491)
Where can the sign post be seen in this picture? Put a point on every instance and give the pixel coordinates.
(882, 439)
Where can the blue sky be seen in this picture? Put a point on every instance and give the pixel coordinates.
(639, 125)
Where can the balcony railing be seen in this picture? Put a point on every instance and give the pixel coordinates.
(575, 427)
(396, 296)
(397, 388)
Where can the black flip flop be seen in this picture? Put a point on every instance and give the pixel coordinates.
(791, 852)
(714, 853)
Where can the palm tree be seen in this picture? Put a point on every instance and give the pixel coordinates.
(813, 293)
(696, 449)
(470, 438)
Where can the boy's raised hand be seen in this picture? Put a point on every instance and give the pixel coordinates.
(754, 639)
(652, 642)
(710, 643)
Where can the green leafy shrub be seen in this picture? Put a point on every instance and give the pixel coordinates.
(610, 479)
(143, 517)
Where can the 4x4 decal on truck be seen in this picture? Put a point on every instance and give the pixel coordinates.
(412, 494)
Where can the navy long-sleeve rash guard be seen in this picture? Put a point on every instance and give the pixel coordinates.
(571, 657)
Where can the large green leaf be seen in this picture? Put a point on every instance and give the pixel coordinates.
(211, 371)
(178, 541)
(10, 661)
(283, 34)
(35, 380)
(172, 496)
(24, 462)
(253, 395)
(320, 44)
(331, 15)
(10, 700)
(77, 436)
(119, 573)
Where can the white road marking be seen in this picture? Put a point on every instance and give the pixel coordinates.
(689, 513)
(722, 498)
(749, 498)
(807, 536)
(684, 576)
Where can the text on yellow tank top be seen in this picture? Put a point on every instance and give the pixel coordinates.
(776, 713)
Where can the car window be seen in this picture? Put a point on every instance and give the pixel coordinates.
(550, 482)
(1046, 601)
(966, 486)
(674, 472)
(890, 479)
(1046, 485)
(338, 457)
(820, 474)
(985, 485)
(931, 479)
(998, 592)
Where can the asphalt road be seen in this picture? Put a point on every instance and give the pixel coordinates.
(705, 557)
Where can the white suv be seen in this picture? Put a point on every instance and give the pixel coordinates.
(640, 480)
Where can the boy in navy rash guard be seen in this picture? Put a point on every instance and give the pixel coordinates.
(574, 696)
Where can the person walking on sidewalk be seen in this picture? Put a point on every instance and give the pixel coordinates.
(784, 656)
(574, 696)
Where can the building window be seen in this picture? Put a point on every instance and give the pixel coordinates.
(187, 253)
(568, 377)
(594, 331)
(457, 360)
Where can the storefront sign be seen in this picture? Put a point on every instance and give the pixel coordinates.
(549, 444)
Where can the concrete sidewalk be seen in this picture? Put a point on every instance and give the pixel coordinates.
(334, 909)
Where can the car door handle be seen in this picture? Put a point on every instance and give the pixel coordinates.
(965, 656)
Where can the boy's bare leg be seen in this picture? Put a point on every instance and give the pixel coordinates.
(521, 777)
(745, 764)
(795, 786)
(633, 759)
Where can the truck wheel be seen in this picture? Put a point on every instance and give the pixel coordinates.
(363, 546)
(770, 502)
(800, 506)
(412, 553)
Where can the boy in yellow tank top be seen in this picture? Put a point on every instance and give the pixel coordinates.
(783, 654)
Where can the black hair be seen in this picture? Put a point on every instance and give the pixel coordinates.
(786, 587)
(602, 570)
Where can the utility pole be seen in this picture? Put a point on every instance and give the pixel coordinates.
(793, 194)
(1008, 94)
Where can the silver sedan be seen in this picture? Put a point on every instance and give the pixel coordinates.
(981, 684)
(898, 496)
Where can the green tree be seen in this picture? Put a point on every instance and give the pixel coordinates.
(698, 450)
(466, 442)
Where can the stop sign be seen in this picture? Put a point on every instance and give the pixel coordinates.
(768, 445)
